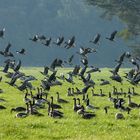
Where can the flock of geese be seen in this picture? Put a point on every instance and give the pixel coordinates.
(83, 73)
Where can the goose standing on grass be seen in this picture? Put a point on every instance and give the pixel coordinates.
(18, 109)
(26, 99)
(104, 82)
(101, 93)
(2, 107)
(89, 106)
(69, 92)
(59, 100)
(76, 107)
(54, 113)
(133, 91)
(132, 104)
(55, 106)
(33, 111)
(106, 109)
(23, 114)
(88, 115)
(119, 116)
(79, 103)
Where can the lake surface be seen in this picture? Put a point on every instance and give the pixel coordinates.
(53, 18)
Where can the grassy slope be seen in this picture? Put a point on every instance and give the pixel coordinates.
(71, 127)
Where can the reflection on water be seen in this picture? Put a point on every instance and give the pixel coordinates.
(82, 18)
(129, 12)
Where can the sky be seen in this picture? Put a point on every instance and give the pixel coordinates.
(54, 18)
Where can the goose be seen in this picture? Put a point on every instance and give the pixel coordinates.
(69, 61)
(93, 69)
(47, 42)
(121, 58)
(26, 100)
(70, 43)
(2, 33)
(83, 71)
(6, 52)
(110, 97)
(78, 104)
(23, 114)
(54, 113)
(42, 37)
(33, 111)
(89, 106)
(114, 90)
(77, 91)
(2, 107)
(117, 78)
(85, 98)
(101, 93)
(59, 41)
(35, 38)
(81, 111)
(18, 109)
(129, 91)
(72, 91)
(22, 51)
(59, 100)
(112, 36)
(133, 91)
(127, 109)
(121, 91)
(119, 116)
(85, 89)
(55, 106)
(96, 39)
(46, 70)
(106, 109)
(75, 107)
(69, 92)
(70, 79)
(132, 104)
(87, 115)
(104, 82)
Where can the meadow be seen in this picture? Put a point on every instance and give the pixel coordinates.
(71, 126)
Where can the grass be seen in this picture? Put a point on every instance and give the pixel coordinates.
(72, 126)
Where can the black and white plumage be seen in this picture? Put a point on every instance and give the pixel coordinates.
(22, 51)
(59, 41)
(70, 43)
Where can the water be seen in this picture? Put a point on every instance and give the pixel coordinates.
(82, 18)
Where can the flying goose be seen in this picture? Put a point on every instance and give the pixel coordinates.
(96, 39)
(112, 36)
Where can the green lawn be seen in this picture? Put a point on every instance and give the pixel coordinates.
(72, 126)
